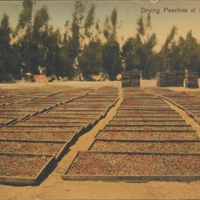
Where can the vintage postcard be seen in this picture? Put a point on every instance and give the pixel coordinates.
(99, 99)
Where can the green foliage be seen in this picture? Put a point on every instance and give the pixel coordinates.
(107, 28)
(89, 21)
(114, 18)
(41, 19)
(130, 53)
(178, 55)
(181, 55)
(111, 58)
(170, 39)
(90, 62)
(141, 29)
(138, 52)
(6, 62)
(79, 11)
(50, 51)
(74, 41)
(189, 51)
(65, 65)
(25, 16)
(83, 47)
(5, 30)
(148, 22)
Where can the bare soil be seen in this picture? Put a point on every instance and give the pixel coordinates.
(53, 187)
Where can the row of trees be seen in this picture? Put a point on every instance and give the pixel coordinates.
(175, 55)
(87, 48)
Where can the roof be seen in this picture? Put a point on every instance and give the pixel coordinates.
(40, 77)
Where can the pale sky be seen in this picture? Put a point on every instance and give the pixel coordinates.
(128, 13)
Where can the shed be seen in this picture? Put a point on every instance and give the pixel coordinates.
(41, 78)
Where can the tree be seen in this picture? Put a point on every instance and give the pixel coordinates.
(89, 22)
(175, 60)
(180, 55)
(51, 51)
(111, 57)
(190, 52)
(146, 56)
(6, 54)
(66, 61)
(130, 53)
(166, 50)
(90, 62)
(138, 52)
(90, 59)
(25, 16)
(37, 42)
(44, 41)
(23, 36)
(72, 43)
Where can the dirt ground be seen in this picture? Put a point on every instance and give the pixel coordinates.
(53, 187)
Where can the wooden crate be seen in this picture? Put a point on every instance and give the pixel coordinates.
(170, 79)
(162, 79)
(130, 79)
(191, 79)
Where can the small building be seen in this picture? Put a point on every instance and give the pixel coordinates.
(41, 78)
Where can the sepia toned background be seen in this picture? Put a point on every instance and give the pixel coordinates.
(128, 13)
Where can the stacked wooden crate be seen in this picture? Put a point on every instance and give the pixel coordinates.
(162, 79)
(170, 79)
(130, 79)
(135, 78)
(191, 79)
(126, 79)
(179, 79)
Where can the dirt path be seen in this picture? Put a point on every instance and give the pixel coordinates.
(55, 188)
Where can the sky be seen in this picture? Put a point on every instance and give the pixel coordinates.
(185, 15)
